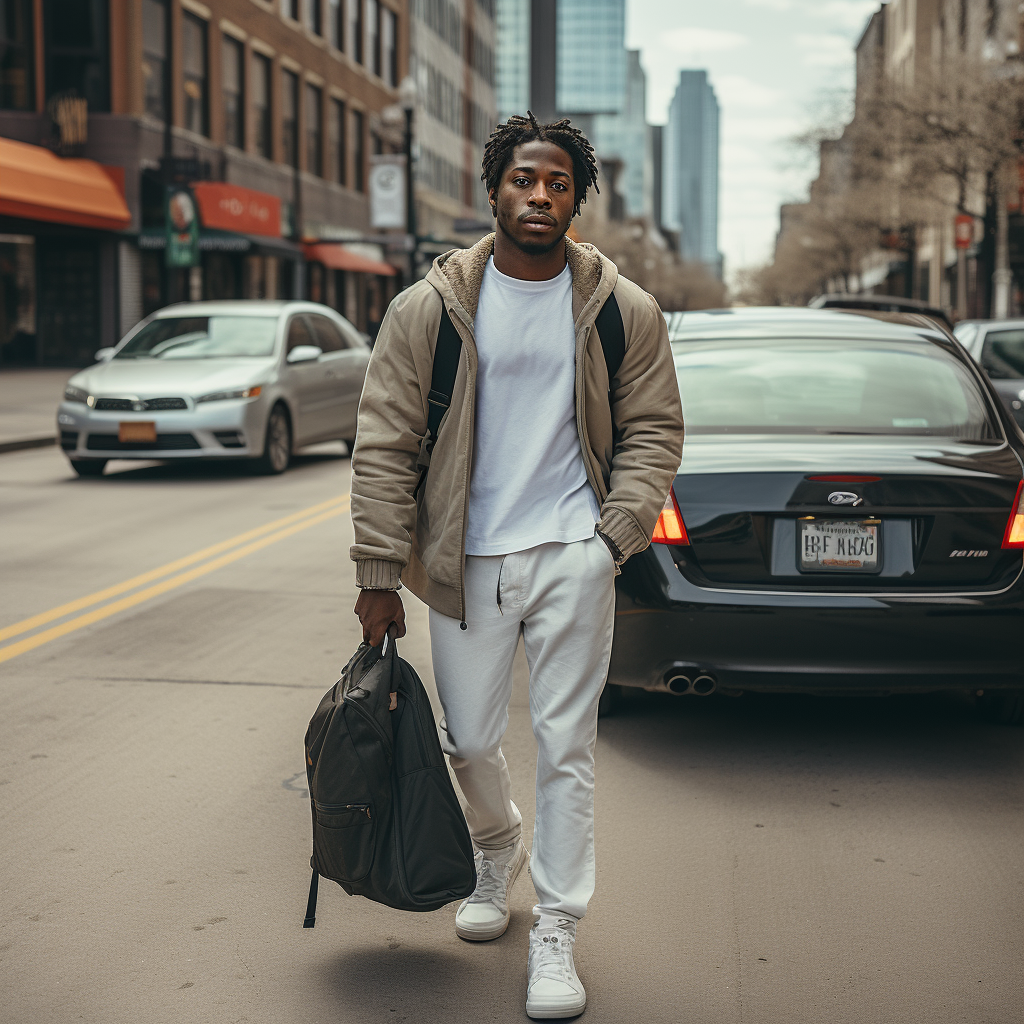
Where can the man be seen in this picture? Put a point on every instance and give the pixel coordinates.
(545, 477)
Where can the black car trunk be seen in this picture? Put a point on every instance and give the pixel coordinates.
(894, 513)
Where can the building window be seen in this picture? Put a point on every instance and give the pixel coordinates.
(261, 111)
(233, 91)
(16, 51)
(290, 118)
(314, 16)
(336, 24)
(194, 65)
(389, 46)
(154, 56)
(358, 151)
(373, 36)
(339, 150)
(77, 50)
(314, 130)
(291, 9)
(355, 29)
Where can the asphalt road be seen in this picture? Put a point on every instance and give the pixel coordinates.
(759, 859)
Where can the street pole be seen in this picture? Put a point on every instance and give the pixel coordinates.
(1002, 275)
(170, 273)
(410, 195)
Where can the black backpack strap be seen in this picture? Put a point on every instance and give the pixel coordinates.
(613, 335)
(314, 884)
(442, 377)
(442, 382)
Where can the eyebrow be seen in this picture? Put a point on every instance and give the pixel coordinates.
(533, 170)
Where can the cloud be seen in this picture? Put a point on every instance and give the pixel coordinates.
(847, 14)
(740, 91)
(704, 40)
(823, 49)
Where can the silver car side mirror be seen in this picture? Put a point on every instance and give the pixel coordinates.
(304, 354)
(103, 354)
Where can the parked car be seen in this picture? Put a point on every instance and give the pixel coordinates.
(253, 379)
(998, 347)
(882, 304)
(848, 517)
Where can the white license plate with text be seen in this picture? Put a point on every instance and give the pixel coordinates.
(839, 545)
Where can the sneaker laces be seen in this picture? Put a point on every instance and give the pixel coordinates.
(551, 954)
(491, 881)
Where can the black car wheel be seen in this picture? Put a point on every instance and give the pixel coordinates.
(611, 698)
(89, 467)
(1005, 707)
(277, 448)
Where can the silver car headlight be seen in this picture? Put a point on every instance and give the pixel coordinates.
(73, 394)
(220, 396)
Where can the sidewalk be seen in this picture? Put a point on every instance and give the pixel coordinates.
(28, 406)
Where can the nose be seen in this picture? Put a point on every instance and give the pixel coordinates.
(540, 197)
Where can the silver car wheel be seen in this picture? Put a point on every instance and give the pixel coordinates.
(278, 449)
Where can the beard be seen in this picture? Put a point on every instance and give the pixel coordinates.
(527, 246)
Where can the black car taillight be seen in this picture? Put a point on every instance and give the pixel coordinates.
(1014, 536)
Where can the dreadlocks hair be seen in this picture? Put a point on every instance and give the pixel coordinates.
(518, 129)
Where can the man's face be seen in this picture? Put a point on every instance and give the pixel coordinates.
(535, 198)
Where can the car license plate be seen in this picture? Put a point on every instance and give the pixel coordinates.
(136, 430)
(839, 545)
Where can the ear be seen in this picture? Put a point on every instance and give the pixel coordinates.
(492, 199)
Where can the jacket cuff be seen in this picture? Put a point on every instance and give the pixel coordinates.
(622, 530)
(378, 574)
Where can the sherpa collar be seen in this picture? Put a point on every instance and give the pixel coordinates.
(461, 271)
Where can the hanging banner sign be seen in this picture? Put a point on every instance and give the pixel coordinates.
(387, 191)
(182, 226)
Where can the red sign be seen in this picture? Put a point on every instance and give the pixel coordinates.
(964, 230)
(233, 208)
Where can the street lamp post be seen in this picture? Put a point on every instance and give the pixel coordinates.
(407, 98)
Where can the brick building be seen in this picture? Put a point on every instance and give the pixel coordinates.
(276, 112)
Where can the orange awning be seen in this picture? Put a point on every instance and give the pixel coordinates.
(337, 257)
(39, 185)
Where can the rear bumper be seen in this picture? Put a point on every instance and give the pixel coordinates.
(811, 642)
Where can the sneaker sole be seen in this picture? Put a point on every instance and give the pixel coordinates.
(486, 934)
(553, 1013)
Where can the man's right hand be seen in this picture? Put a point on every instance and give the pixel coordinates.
(378, 609)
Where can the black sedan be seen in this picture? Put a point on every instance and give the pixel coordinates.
(848, 518)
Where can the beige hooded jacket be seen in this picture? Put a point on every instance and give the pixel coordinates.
(420, 541)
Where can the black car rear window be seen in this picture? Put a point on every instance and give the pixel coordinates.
(810, 386)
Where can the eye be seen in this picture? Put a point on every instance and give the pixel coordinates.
(559, 186)
(520, 180)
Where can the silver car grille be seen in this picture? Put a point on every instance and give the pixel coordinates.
(139, 405)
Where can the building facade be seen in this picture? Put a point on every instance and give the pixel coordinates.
(690, 170)
(269, 111)
(454, 66)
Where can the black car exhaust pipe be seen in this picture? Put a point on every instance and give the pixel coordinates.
(677, 683)
(704, 685)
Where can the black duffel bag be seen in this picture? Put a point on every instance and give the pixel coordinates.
(386, 821)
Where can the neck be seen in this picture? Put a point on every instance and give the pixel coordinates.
(527, 266)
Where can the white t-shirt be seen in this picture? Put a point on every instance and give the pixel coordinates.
(528, 485)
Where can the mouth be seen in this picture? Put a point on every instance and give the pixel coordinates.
(538, 222)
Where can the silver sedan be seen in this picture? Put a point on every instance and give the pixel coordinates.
(252, 379)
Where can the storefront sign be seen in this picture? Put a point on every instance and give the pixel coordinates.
(387, 191)
(963, 227)
(182, 227)
(233, 208)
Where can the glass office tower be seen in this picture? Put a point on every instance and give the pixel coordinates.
(591, 56)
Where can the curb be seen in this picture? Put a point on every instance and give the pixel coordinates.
(26, 442)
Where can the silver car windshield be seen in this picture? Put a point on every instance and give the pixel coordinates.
(807, 386)
(203, 337)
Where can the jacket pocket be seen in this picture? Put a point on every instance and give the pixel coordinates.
(343, 840)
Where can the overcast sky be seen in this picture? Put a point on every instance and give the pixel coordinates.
(770, 62)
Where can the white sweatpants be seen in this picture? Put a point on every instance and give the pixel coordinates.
(561, 597)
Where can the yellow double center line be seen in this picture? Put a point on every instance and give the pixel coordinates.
(205, 561)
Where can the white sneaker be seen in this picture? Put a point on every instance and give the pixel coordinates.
(485, 915)
(553, 989)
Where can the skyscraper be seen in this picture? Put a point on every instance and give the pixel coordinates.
(690, 170)
(590, 70)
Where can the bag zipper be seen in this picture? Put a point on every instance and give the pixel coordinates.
(338, 808)
(388, 740)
